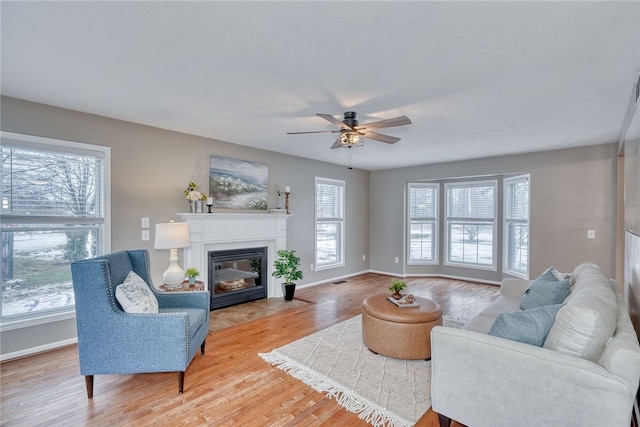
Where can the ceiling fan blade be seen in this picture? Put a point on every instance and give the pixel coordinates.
(333, 120)
(379, 137)
(396, 121)
(337, 144)
(315, 131)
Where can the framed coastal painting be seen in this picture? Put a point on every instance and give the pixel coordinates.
(238, 184)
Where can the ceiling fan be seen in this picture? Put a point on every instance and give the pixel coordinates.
(352, 133)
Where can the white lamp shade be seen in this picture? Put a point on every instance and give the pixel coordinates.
(172, 235)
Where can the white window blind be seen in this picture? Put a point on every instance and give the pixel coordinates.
(329, 238)
(423, 222)
(53, 213)
(471, 208)
(516, 228)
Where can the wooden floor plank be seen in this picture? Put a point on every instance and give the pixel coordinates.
(230, 385)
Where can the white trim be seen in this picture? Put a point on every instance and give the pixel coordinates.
(505, 235)
(494, 222)
(37, 349)
(436, 222)
(45, 318)
(343, 223)
(104, 236)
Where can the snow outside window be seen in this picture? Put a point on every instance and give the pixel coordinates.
(423, 222)
(53, 213)
(516, 225)
(471, 218)
(329, 238)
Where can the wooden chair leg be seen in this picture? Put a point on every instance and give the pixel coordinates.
(202, 347)
(180, 382)
(444, 421)
(88, 380)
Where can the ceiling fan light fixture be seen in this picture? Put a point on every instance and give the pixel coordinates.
(350, 139)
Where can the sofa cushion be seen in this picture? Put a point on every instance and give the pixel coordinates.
(528, 326)
(135, 296)
(545, 290)
(588, 320)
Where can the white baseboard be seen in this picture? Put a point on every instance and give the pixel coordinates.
(38, 349)
(449, 276)
(386, 273)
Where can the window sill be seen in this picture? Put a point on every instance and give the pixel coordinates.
(37, 320)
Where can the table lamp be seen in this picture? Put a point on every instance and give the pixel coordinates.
(172, 235)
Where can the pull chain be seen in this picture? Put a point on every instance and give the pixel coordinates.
(350, 158)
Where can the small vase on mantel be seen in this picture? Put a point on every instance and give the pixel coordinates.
(199, 206)
(192, 207)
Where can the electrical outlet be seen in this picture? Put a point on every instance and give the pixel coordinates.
(311, 267)
(144, 221)
(364, 257)
(397, 260)
(145, 235)
(591, 234)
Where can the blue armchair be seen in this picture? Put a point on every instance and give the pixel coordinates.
(111, 341)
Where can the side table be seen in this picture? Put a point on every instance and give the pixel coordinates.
(198, 286)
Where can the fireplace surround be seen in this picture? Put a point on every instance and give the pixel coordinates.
(232, 231)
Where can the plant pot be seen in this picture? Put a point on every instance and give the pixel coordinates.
(289, 290)
(396, 295)
(192, 280)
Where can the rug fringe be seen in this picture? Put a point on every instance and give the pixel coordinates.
(366, 410)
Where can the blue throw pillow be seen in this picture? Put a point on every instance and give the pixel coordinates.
(545, 290)
(528, 326)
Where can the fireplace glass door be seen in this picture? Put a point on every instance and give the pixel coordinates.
(237, 276)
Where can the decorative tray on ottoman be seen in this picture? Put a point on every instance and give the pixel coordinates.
(402, 302)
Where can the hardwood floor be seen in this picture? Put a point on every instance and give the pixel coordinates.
(228, 386)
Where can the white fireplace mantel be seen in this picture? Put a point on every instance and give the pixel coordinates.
(223, 231)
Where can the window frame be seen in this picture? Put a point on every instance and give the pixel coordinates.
(449, 220)
(104, 241)
(434, 221)
(340, 221)
(506, 244)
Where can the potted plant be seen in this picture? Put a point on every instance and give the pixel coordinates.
(396, 287)
(192, 273)
(287, 266)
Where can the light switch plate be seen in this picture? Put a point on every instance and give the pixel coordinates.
(144, 221)
(145, 235)
(591, 234)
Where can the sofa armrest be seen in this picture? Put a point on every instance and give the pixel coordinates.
(479, 379)
(514, 287)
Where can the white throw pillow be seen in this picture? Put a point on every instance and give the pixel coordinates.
(135, 296)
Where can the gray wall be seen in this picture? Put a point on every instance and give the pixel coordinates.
(151, 168)
(572, 190)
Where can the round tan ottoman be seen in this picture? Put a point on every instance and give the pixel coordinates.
(400, 332)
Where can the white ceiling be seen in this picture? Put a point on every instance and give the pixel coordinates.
(477, 79)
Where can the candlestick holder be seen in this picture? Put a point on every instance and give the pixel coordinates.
(286, 201)
(209, 208)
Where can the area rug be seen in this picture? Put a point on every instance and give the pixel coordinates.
(382, 390)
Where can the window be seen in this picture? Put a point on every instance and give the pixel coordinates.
(329, 223)
(423, 222)
(53, 213)
(516, 225)
(470, 234)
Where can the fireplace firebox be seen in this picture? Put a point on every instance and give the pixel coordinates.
(237, 276)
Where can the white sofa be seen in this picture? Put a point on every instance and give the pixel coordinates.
(484, 380)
